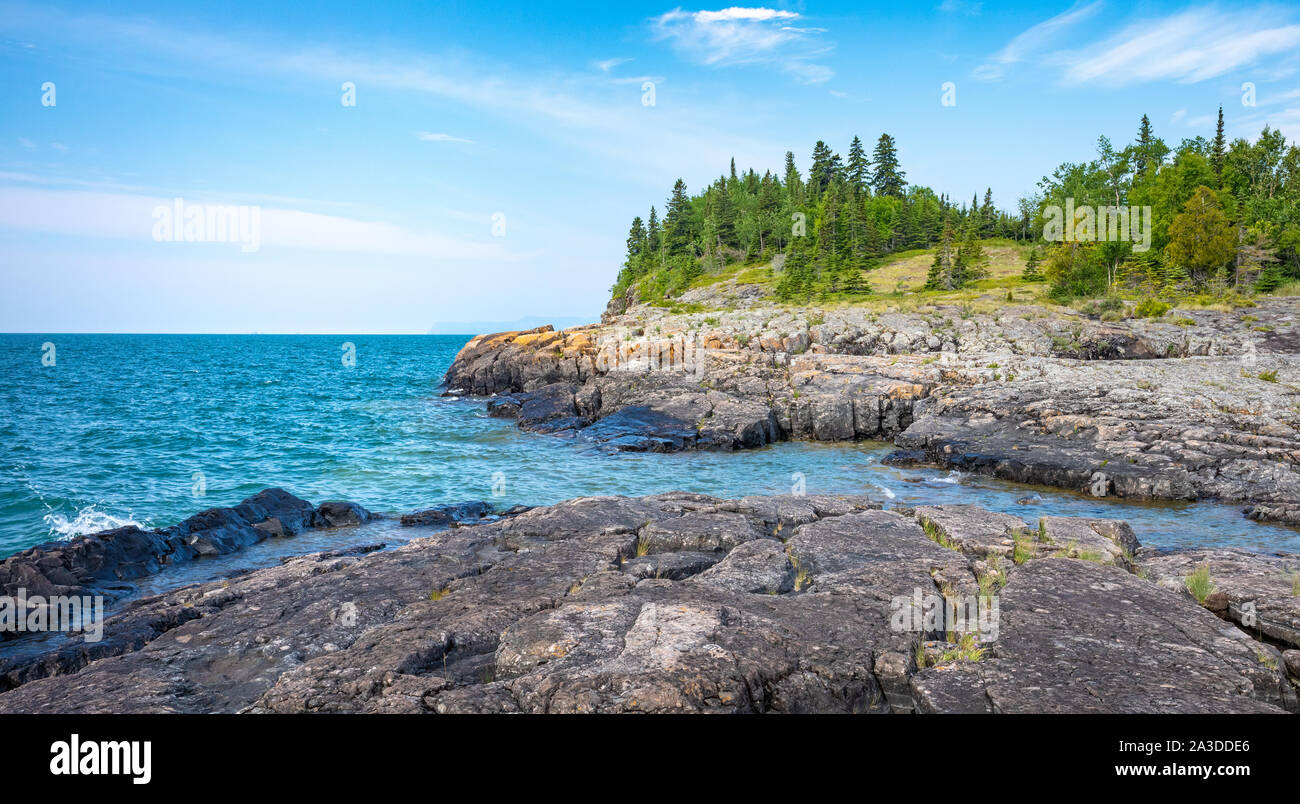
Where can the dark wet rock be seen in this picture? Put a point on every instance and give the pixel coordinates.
(641, 429)
(335, 513)
(93, 563)
(448, 514)
(552, 610)
(505, 407)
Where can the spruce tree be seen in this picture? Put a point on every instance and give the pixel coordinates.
(941, 276)
(858, 169)
(1219, 149)
(888, 178)
(793, 184)
(1031, 272)
(678, 230)
(822, 170)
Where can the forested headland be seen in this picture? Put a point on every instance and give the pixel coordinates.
(1224, 223)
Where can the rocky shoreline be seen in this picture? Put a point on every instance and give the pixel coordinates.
(1197, 405)
(682, 602)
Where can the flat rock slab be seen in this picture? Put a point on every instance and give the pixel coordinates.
(1077, 636)
(1259, 592)
(783, 604)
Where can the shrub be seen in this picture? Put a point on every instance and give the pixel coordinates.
(1150, 308)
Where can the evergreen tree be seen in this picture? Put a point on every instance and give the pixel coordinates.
(1031, 272)
(971, 262)
(793, 184)
(1217, 152)
(636, 245)
(1143, 145)
(822, 170)
(941, 276)
(679, 231)
(888, 178)
(858, 169)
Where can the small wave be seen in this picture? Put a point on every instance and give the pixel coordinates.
(887, 492)
(87, 520)
(952, 477)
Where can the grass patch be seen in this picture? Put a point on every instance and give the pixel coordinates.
(1199, 583)
(936, 535)
(966, 650)
(439, 594)
(1023, 550)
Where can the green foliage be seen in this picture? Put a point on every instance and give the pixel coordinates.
(1199, 583)
(1150, 308)
(821, 236)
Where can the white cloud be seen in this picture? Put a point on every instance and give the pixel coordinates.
(1033, 40)
(1178, 115)
(1187, 47)
(609, 64)
(429, 136)
(741, 36)
(130, 217)
(26, 143)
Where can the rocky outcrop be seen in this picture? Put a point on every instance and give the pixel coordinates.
(684, 603)
(98, 563)
(1259, 592)
(1195, 405)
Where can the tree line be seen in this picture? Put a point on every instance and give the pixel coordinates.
(1224, 217)
(820, 231)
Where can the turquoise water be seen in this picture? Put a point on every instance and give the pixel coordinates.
(116, 430)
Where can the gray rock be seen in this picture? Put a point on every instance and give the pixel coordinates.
(547, 611)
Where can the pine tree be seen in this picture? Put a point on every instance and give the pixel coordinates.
(1143, 146)
(941, 276)
(889, 177)
(678, 230)
(1218, 152)
(636, 245)
(822, 170)
(971, 262)
(1031, 272)
(793, 184)
(858, 169)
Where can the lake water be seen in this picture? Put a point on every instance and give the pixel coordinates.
(153, 428)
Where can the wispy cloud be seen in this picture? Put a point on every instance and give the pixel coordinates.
(1034, 40)
(130, 217)
(429, 136)
(608, 64)
(1187, 47)
(594, 115)
(745, 36)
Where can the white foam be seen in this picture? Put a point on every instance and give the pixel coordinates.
(87, 520)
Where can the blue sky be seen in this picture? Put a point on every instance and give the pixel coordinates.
(496, 153)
